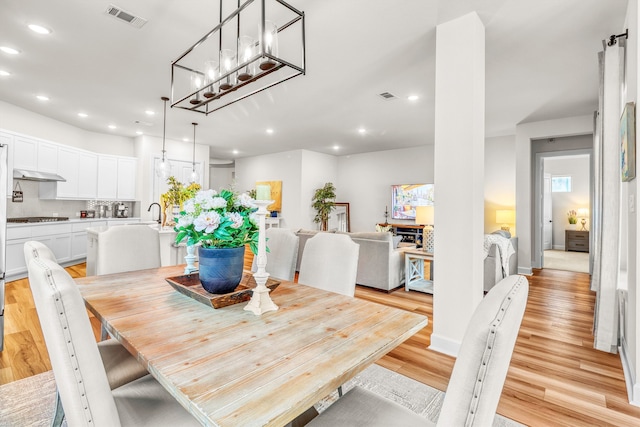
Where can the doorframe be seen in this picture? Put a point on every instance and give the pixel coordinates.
(538, 250)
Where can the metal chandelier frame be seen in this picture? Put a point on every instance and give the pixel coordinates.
(182, 69)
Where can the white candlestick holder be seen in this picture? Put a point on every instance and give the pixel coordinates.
(190, 259)
(260, 300)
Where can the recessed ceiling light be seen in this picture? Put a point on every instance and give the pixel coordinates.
(149, 113)
(42, 97)
(139, 132)
(185, 139)
(412, 97)
(83, 115)
(235, 151)
(362, 130)
(4, 73)
(39, 29)
(112, 126)
(9, 50)
(336, 147)
(269, 131)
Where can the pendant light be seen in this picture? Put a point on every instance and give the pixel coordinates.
(194, 176)
(163, 169)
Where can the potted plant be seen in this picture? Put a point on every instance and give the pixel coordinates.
(323, 202)
(175, 197)
(573, 217)
(222, 224)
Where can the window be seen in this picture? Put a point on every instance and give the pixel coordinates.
(561, 184)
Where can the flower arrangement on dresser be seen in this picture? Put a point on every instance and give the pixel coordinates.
(573, 216)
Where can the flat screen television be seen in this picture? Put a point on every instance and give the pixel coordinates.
(405, 198)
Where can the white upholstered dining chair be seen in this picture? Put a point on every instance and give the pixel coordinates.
(127, 248)
(330, 262)
(282, 255)
(120, 366)
(476, 381)
(79, 372)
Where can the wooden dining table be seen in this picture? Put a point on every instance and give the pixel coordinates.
(230, 367)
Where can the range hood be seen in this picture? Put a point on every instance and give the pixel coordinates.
(36, 176)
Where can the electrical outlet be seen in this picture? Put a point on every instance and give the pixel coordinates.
(77, 214)
(55, 214)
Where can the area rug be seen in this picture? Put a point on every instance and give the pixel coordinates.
(566, 260)
(30, 402)
(414, 395)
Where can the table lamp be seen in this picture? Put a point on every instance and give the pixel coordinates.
(584, 214)
(425, 216)
(505, 217)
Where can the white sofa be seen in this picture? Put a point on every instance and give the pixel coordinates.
(380, 265)
(493, 271)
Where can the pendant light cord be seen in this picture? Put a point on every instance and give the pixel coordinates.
(193, 162)
(164, 126)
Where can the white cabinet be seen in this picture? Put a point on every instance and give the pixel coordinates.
(68, 162)
(47, 157)
(25, 154)
(34, 154)
(126, 178)
(79, 168)
(57, 237)
(88, 172)
(79, 238)
(107, 177)
(116, 178)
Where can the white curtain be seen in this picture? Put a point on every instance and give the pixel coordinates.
(605, 227)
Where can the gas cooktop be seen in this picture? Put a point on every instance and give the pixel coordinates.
(38, 219)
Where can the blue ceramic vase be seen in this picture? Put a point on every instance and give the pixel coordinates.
(220, 269)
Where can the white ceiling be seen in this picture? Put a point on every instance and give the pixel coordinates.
(541, 63)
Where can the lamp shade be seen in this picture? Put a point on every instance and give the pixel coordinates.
(424, 215)
(583, 213)
(505, 216)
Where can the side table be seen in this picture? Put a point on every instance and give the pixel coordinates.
(414, 278)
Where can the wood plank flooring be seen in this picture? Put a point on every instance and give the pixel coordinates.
(556, 378)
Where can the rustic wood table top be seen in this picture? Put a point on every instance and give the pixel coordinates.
(230, 367)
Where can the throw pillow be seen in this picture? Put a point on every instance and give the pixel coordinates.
(396, 240)
(503, 233)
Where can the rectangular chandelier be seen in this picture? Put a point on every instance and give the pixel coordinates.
(258, 45)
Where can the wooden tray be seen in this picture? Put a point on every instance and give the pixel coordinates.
(190, 286)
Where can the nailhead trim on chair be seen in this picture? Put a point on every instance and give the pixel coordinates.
(488, 351)
(64, 322)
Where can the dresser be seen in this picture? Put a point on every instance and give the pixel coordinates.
(576, 241)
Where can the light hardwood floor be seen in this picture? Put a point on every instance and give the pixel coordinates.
(556, 378)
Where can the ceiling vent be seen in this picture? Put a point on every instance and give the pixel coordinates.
(125, 16)
(387, 96)
(140, 122)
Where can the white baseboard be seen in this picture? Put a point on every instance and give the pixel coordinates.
(444, 345)
(558, 247)
(633, 388)
(526, 271)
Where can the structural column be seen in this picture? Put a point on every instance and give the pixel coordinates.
(459, 178)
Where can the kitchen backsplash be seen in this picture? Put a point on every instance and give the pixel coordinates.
(34, 206)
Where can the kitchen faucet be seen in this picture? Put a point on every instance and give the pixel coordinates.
(159, 211)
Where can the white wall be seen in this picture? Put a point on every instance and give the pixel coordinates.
(577, 167)
(526, 132)
(147, 148)
(629, 222)
(499, 179)
(221, 176)
(365, 181)
(285, 167)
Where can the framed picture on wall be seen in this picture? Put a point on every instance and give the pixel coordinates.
(628, 142)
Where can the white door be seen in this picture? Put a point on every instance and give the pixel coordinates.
(547, 224)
